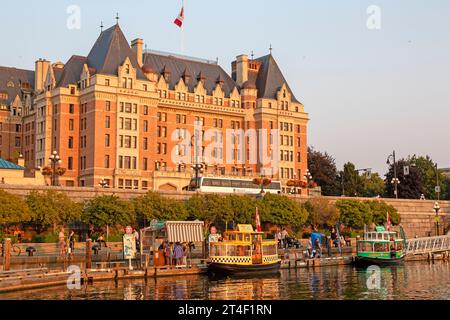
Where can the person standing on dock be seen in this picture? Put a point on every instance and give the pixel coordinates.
(278, 238)
(316, 240)
(62, 243)
(72, 242)
(284, 236)
(178, 254)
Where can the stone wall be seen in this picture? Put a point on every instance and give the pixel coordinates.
(418, 216)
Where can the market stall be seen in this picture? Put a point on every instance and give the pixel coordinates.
(158, 239)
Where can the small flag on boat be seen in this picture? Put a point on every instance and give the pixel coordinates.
(388, 222)
(258, 221)
(179, 20)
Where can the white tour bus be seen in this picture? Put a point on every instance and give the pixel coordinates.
(229, 185)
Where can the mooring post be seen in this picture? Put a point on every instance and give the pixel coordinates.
(88, 254)
(6, 254)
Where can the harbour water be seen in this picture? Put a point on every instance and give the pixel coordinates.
(414, 280)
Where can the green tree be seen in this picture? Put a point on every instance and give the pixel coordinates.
(446, 188)
(322, 167)
(209, 208)
(354, 213)
(108, 210)
(13, 209)
(379, 211)
(52, 208)
(373, 186)
(242, 209)
(353, 182)
(281, 210)
(411, 185)
(321, 212)
(427, 168)
(154, 206)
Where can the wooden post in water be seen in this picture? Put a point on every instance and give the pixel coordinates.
(88, 254)
(6, 254)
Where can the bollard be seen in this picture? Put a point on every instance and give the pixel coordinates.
(6, 254)
(88, 254)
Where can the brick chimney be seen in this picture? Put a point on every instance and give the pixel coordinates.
(241, 69)
(137, 46)
(41, 69)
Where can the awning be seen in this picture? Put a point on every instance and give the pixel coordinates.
(185, 231)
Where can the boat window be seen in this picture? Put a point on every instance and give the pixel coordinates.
(270, 250)
(381, 247)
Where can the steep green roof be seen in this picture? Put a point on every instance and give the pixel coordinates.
(9, 165)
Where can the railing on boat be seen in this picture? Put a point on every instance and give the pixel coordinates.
(244, 253)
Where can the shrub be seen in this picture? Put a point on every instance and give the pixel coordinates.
(108, 210)
(354, 214)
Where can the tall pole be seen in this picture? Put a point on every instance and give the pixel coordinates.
(438, 191)
(395, 176)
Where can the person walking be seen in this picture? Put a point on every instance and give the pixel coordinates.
(72, 242)
(278, 237)
(284, 236)
(178, 254)
(101, 239)
(138, 243)
(62, 243)
(334, 238)
(316, 240)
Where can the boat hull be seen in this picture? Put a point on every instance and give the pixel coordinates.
(230, 269)
(366, 261)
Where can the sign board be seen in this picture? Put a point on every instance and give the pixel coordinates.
(437, 189)
(406, 170)
(245, 228)
(129, 246)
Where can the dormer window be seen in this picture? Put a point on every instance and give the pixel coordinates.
(127, 69)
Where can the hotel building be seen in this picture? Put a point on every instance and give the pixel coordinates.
(127, 116)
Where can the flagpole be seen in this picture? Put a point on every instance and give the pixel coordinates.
(182, 30)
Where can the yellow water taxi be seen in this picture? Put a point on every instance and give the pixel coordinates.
(243, 251)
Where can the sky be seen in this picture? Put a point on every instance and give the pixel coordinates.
(367, 91)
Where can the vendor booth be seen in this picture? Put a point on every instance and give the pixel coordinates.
(158, 240)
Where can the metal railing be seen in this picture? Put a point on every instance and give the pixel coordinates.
(428, 245)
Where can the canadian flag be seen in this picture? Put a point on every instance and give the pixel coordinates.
(388, 222)
(258, 221)
(179, 20)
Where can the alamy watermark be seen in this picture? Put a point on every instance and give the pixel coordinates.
(374, 17)
(373, 278)
(74, 19)
(235, 147)
(74, 279)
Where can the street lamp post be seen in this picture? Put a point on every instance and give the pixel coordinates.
(436, 208)
(197, 167)
(54, 161)
(395, 181)
(438, 187)
(308, 177)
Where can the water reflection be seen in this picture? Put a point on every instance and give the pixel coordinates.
(412, 281)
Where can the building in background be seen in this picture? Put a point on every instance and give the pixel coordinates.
(445, 171)
(126, 116)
